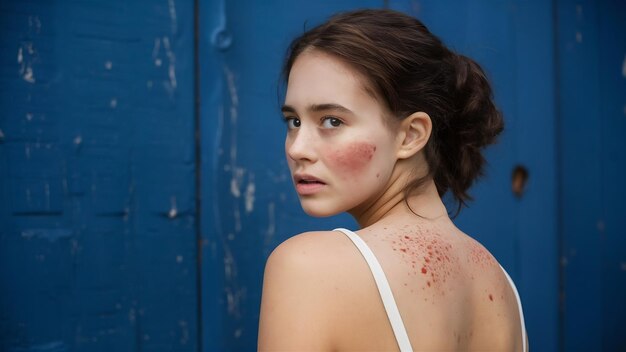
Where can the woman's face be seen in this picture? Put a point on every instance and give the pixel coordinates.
(339, 150)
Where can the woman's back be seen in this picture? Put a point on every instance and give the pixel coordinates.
(451, 293)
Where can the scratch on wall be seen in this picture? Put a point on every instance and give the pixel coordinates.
(233, 295)
(171, 83)
(26, 53)
(230, 269)
(155, 52)
(171, 70)
(234, 105)
(172, 10)
(236, 181)
(51, 235)
(54, 346)
(173, 208)
(231, 302)
(26, 56)
(237, 173)
(217, 218)
(250, 190)
(34, 23)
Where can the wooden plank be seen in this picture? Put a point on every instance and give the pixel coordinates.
(97, 232)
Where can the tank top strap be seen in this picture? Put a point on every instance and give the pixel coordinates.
(521, 312)
(384, 289)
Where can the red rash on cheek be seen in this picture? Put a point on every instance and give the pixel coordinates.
(354, 157)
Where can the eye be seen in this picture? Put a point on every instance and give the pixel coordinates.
(331, 122)
(292, 122)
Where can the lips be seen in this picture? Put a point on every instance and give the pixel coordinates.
(306, 179)
(307, 184)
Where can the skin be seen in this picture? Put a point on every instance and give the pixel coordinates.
(318, 293)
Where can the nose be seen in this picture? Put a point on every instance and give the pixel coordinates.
(299, 145)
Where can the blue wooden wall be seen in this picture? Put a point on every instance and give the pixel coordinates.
(98, 215)
(143, 183)
(592, 164)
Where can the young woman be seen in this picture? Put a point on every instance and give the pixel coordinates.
(382, 120)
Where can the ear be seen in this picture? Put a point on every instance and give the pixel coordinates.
(413, 134)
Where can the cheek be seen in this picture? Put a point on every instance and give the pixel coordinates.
(352, 158)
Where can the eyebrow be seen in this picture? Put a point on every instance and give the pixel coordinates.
(319, 108)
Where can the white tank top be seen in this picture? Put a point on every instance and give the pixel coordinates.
(390, 303)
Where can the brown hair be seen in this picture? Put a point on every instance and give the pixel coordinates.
(411, 70)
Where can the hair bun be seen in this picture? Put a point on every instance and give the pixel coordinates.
(475, 123)
(477, 116)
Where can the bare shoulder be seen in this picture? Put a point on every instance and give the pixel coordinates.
(308, 251)
(299, 292)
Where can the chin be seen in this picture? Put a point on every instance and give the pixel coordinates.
(319, 210)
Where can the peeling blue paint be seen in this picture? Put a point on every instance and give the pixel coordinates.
(91, 158)
(56, 346)
(51, 235)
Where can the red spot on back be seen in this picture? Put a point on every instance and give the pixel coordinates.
(491, 297)
(430, 255)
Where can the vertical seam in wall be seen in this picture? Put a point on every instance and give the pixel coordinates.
(198, 169)
(559, 177)
(602, 110)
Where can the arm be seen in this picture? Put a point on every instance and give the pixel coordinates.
(296, 304)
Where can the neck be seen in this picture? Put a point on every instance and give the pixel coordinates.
(425, 202)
